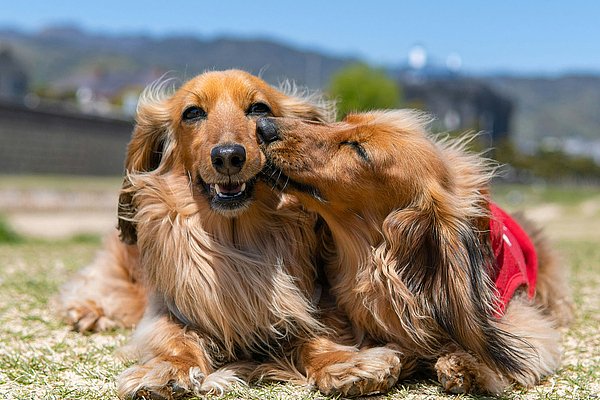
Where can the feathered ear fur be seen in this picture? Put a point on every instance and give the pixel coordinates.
(300, 103)
(145, 150)
(443, 259)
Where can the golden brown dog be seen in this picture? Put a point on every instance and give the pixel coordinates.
(226, 266)
(412, 261)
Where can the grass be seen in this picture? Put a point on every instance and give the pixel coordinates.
(7, 233)
(533, 195)
(40, 358)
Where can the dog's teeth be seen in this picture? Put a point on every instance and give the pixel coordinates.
(224, 192)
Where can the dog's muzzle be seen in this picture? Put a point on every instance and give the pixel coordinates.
(228, 195)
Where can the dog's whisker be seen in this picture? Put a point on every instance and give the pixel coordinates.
(275, 170)
(287, 180)
(190, 181)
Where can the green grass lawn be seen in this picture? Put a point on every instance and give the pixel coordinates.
(40, 358)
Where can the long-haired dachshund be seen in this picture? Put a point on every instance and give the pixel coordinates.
(223, 266)
(419, 255)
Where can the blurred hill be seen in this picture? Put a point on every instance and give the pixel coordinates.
(546, 109)
(56, 55)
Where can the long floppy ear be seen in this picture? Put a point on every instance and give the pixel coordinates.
(444, 260)
(144, 152)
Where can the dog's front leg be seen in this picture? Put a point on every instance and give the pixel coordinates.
(174, 362)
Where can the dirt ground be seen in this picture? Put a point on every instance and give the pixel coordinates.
(58, 212)
(59, 209)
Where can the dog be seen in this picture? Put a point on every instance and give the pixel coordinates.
(222, 267)
(419, 255)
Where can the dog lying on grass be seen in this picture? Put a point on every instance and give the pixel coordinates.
(419, 256)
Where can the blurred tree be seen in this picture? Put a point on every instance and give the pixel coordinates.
(359, 87)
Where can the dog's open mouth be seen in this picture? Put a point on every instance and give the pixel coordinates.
(225, 197)
(228, 191)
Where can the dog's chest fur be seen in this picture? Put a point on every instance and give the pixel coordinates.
(245, 281)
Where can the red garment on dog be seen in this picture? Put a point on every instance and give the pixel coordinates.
(516, 259)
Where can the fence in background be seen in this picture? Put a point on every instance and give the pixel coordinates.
(36, 141)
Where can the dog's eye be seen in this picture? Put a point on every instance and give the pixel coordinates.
(359, 149)
(259, 109)
(193, 113)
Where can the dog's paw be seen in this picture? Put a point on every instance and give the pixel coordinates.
(161, 380)
(217, 383)
(457, 372)
(87, 317)
(156, 380)
(368, 371)
(171, 391)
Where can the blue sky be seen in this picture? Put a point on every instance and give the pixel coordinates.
(526, 36)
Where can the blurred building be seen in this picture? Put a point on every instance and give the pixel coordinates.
(13, 78)
(51, 138)
(460, 103)
(38, 137)
(103, 91)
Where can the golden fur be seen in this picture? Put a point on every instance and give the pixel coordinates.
(225, 265)
(409, 247)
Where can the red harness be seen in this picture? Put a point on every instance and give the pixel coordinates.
(516, 259)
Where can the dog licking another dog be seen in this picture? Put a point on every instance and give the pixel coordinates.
(261, 240)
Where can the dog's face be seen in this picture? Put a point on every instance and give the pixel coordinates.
(207, 130)
(214, 122)
(372, 161)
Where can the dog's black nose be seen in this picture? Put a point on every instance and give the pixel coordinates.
(266, 130)
(228, 158)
